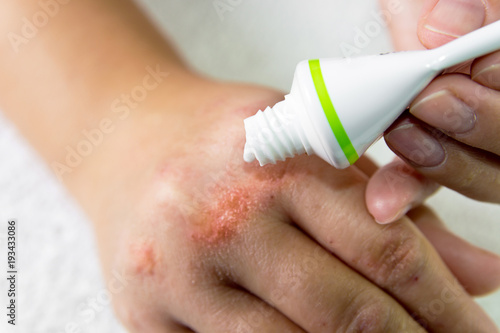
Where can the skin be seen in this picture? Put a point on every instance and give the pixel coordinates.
(458, 111)
(200, 240)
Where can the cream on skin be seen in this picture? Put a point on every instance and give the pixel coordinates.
(337, 108)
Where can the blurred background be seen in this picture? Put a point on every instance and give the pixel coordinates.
(239, 40)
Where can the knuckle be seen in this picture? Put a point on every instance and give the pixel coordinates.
(366, 314)
(396, 258)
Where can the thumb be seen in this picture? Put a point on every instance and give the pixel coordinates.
(442, 21)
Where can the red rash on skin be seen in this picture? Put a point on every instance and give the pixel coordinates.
(224, 219)
(219, 205)
(144, 258)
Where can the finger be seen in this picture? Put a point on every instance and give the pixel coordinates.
(395, 257)
(312, 287)
(476, 269)
(394, 189)
(442, 21)
(402, 22)
(220, 308)
(486, 71)
(464, 109)
(470, 171)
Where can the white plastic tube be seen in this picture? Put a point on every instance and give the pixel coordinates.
(338, 107)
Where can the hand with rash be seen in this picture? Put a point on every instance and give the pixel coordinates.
(201, 240)
(210, 243)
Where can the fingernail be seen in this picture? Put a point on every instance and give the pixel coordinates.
(489, 76)
(445, 111)
(456, 17)
(416, 145)
(398, 215)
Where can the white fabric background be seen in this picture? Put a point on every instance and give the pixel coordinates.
(258, 41)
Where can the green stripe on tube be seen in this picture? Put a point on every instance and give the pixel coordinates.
(330, 113)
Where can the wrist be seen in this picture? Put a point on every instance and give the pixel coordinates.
(127, 138)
